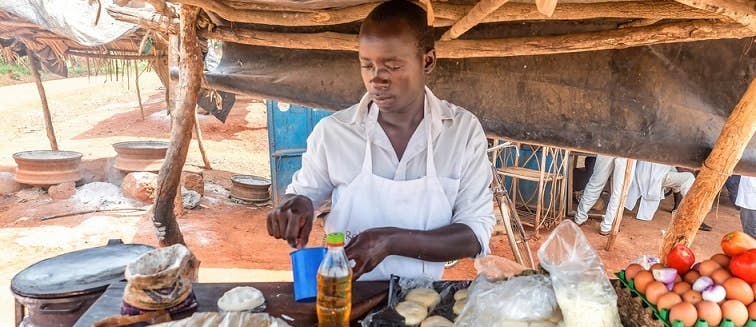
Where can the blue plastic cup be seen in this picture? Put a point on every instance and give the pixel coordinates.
(304, 266)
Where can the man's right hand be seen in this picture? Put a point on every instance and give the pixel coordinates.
(292, 220)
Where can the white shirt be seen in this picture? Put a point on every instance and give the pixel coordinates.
(747, 193)
(336, 148)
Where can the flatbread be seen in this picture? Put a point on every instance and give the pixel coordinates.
(459, 306)
(241, 298)
(425, 296)
(413, 312)
(436, 321)
(461, 294)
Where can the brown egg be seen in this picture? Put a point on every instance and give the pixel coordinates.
(720, 275)
(681, 287)
(710, 312)
(684, 312)
(706, 267)
(633, 270)
(691, 297)
(642, 279)
(722, 259)
(654, 291)
(656, 266)
(678, 279)
(667, 300)
(735, 311)
(691, 277)
(738, 289)
(752, 311)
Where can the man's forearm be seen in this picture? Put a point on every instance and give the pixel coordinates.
(447, 243)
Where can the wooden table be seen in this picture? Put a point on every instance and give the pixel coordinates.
(279, 300)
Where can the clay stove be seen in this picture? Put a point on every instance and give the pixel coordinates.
(140, 155)
(47, 167)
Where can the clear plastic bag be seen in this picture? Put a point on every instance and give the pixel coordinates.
(581, 285)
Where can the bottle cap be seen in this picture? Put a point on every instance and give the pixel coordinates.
(335, 239)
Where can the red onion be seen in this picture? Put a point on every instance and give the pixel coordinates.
(702, 283)
(715, 293)
(665, 275)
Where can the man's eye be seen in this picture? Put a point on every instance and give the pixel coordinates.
(367, 66)
(394, 67)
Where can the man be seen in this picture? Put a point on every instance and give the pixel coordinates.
(746, 200)
(605, 166)
(407, 173)
(649, 183)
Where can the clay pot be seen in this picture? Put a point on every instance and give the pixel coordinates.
(47, 167)
(140, 155)
(250, 188)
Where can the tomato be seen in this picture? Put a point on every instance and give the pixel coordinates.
(744, 266)
(680, 258)
(737, 242)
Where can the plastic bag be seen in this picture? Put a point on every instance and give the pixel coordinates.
(582, 288)
(498, 268)
(646, 261)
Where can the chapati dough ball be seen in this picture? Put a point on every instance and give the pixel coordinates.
(412, 312)
(458, 306)
(436, 321)
(461, 294)
(425, 296)
(241, 299)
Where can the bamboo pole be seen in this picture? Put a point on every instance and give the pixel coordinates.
(728, 149)
(34, 63)
(474, 17)
(629, 168)
(200, 142)
(190, 74)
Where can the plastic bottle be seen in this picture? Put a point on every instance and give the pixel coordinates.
(334, 300)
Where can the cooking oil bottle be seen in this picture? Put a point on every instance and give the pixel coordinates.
(334, 301)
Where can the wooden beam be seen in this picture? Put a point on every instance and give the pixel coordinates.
(475, 16)
(107, 55)
(732, 141)
(154, 20)
(640, 23)
(190, 76)
(743, 12)
(34, 67)
(627, 179)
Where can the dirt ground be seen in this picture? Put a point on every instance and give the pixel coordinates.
(230, 239)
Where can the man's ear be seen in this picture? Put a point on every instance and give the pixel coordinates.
(429, 61)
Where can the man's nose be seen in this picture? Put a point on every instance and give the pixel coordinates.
(380, 78)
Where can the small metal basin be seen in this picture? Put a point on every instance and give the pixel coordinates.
(140, 155)
(47, 167)
(250, 188)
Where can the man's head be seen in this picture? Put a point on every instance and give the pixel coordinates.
(396, 52)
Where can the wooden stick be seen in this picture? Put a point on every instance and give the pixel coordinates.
(139, 94)
(728, 149)
(200, 142)
(430, 14)
(34, 63)
(476, 15)
(621, 210)
(743, 12)
(190, 73)
(640, 23)
(89, 211)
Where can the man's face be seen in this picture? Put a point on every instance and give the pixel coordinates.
(393, 68)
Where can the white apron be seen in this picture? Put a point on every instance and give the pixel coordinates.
(372, 201)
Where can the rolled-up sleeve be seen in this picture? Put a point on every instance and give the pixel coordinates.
(312, 180)
(473, 206)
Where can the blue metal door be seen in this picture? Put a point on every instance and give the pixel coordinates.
(288, 129)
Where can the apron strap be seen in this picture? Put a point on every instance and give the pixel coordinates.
(430, 161)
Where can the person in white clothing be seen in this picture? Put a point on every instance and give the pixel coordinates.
(746, 200)
(605, 167)
(406, 172)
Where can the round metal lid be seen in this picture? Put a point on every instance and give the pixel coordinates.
(79, 272)
(250, 180)
(47, 155)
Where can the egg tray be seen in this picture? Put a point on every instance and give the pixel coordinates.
(663, 314)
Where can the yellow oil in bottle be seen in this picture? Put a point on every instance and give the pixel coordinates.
(334, 300)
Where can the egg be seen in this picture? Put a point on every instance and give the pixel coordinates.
(667, 300)
(642, 279)
(710, 312)
(735, 311)
(685, 313)
(654, 291)
(707, 267)
(738, 289)
(752, 311)
(691, 297)
(720, 275)
(656, 266)
(633, 270)
(721, 259)
(691, 277)
(681, 287)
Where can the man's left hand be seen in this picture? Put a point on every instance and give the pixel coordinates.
(369, 248)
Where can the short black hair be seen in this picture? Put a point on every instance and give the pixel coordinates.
(404, 11)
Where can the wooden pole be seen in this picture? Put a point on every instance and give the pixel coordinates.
(743, 12)
(728, 149)
(629, 168)
(34, 63)
(190, 74)
(139, 93)
(476, 15)
(200, 142)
